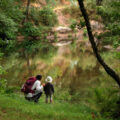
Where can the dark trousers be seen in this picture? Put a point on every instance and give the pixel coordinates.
(35, 98)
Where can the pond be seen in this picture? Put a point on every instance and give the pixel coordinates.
(71, 65)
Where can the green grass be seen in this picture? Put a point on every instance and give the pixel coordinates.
(15, 107)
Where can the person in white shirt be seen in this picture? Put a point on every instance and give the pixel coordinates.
(38, 89)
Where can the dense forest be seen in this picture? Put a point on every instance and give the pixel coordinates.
(76, 42)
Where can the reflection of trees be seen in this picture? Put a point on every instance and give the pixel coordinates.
(19, 70)
(47, 51)
(83, 73)
(83, 77)
(43, 51)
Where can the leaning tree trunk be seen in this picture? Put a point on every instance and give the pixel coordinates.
(110, 71)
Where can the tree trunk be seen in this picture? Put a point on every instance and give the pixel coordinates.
(27, 9)
(26, 54)
(110, 71)
(26, 12)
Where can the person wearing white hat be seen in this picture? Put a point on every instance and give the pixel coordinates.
(49, 89)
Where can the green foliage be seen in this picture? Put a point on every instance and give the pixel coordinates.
(12, 89)
(82, 23)
(109, 11)
(64, 94)
(113, 14)
(108, 102)
(29, 30)
(8, 28)
(55, 36)
(10, 17)
(3, 85)
(118, 55)
(73, 25)
(47, 17)
(85, 32)
(34, 14)
(73, 46)
(11, 9)
(3, 82)
(2, 71)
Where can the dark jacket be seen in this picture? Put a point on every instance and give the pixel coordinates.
(49, 89)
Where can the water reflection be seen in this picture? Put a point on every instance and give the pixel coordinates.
(72, 66)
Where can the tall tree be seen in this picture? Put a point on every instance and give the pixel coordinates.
(109, 70)
(26, 12)
(26, 55)
(27, 9)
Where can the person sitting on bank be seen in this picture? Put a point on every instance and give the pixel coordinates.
(33, 88)
(49, 89)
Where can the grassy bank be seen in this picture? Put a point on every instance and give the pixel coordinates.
(14, 107)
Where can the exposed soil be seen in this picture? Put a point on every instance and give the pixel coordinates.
(62, 19)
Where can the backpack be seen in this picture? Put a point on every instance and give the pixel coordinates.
(27, 87)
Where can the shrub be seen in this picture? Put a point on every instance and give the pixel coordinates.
(3, 82)
(74, 11)
(11, 9)
(63, 96)
(108, 102)
(47, 17)
(34, 14)
(82, 23)
(109, 12)
(8, 28)
(85, 32)
(3, 85)
(73, 25)
(29, 29)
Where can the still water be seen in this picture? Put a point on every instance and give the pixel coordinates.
(71, 65)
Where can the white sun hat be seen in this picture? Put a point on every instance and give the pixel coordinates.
(49, 79)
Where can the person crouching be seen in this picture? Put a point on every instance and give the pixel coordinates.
(49, 89)
(32, 88)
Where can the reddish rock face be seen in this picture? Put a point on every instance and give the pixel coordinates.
(42, 2)
(65, 2)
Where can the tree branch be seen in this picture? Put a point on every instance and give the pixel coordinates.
(109, 70)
